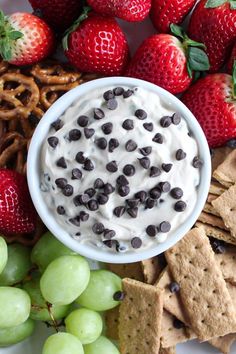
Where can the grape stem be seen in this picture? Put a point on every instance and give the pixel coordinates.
(55, 325)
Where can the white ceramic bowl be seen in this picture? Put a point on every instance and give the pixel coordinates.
(33, 171)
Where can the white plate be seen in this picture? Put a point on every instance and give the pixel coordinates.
(136, 33)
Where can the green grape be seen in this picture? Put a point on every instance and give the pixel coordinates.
(3, 254)
(62, 343)
(65, 279)
(18, 265)
(47, 249)
(39, 310)
(85, 325)
(98, 295)
(101, 346)
(13, 335)
(14, 306)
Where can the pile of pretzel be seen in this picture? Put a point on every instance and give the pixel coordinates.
(25, 95)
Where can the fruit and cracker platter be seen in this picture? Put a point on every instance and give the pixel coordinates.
(56, 301)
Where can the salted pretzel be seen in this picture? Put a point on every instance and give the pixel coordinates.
(3, 66)
(19, 95)
(49, 94)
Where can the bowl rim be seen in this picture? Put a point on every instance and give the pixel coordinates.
(33, 164)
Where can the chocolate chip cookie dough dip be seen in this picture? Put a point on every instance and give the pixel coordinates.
(120, 169)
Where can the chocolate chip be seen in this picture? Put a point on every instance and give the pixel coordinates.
(231, 143)
(78, 234)
(74, 134)
(155, 193)
(145, 151)
(83, 216)
(108, 234)
(83, 198)
(68, 190)
(180, 155)
(148, 126)
(98, 183)
(131, 145)
(165, 226)
(58, 124)
(158, 138)
(98, 228)
(176, 118)
(108, 95)
(129, 170)
(165, 121)
(118, 91)
(164, 186)
(180, 206)
(98, 113)
(220, 249)
(123, 191)
(75, 221)
(151, 230)
(53, 141)
(140, 114)
(61, 210)
(142, 195)
(102, 199)
(61, 182)
(88, 132)
(61, 162)
(110, 243)
(113, 144)
(174, 287)
(197, 162)
(133, 212)
(119, 296)
(122, 180)
(82, 121)
(112, 104)
(132, 203)
(178, 324)
(155, 171)
(112, 167)
(76, 200)
(93, 205)
(108, 188)
(88, 165)
(145, 162)
(176, 193)
(150, 203)
(101, 143)
(119, 211)
(76, 173)
(90, 192)
(128, 93)
(107, 128)
(128, 124)
(136, 242)
(80, 157)
(167, 167)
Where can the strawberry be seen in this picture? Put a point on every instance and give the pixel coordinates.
(129, 10)
(231, 60)
(97, 44)
(25, 39)
(213, 23)
(17, 213)
(168, 62)
(165, 12)
(213, 102)
(59, 14)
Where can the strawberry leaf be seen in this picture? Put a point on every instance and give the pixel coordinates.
(232, 4)
(234, 79)
(192, 43)
(14, 35)
(177, 31)
(214, 3)
(197, 59)
(5, 49)
(190, 72)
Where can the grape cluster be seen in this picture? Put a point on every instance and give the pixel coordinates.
(53, 284)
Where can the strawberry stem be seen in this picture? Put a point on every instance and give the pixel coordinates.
(212, 4)
(234, 79)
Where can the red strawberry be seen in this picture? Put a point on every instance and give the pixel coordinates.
(59, 14)
(215, 26)
(25, 39)
(97, 44)
(213, 102)
(165, 12)
(129, 10)
(231, 60)
(17, 213)
(166, 61)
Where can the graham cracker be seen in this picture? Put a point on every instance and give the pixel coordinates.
(171, 350)
(216, 188)
(223, 343)
(151, 269)
(209, 209)
(217, 233)
(225, 205)
(129, 270)
(203, 290)
(227, 263)
(225, 173)
(219, 155)
(112, 322)
(140, 318)
(171, 336)
(212, 220)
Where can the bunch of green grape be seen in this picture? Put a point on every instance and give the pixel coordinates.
(53, 284)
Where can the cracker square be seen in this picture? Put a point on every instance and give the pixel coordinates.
(140, 318)
(152, 268)
(209, 209)
(225, 173)
(171, 350)
(219, 155)
(112, 323)
(227, 263)
(223, 343)
(217, 233)
(203, 290)
(129, 270)
(216, 188)
(212, 220)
